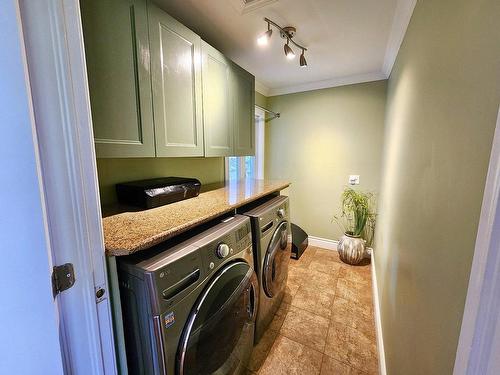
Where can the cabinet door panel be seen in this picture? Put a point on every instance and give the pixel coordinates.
(243, 112)
(217, 103)
(177, 101)
(117, 56)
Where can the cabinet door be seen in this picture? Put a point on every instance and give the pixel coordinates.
(217, 103)
(117, 54)
(176, 75)
(243, 94)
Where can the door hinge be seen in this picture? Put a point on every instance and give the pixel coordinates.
(63, 277)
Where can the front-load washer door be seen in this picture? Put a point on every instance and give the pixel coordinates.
(219, 333)
(275, 269)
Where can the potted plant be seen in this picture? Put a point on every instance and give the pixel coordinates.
(357, 220)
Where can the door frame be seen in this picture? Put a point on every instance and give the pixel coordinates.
(260, 134)
(480, 332)
(53, 41)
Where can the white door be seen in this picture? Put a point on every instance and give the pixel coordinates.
(58, 81)
(29, 338)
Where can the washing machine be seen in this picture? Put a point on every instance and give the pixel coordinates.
(191, 309)
(272, 250)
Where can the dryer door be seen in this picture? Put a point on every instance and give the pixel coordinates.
(276, 262)
(218, 337)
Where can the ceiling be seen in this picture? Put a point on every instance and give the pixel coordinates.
(348, 41)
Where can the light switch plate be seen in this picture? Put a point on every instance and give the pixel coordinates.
(354, 179)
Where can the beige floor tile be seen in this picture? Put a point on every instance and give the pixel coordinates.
(365, 325)
(327, 309)
(262, 349)
(290, 291)
(331, 366)
(297, 275)
(355, 315)
(352, 347)
(320, 280)
(306, 328)
(305, 259)
(359, 293)
(355, 371)
(326, 265)
(322, 254)
(343, 309)
(356, 274)
(288, 357)
(337, 340)
(279, 317)
(317, 301)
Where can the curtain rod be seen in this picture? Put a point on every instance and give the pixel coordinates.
(274, 114)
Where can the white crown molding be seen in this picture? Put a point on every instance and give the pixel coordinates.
(261, 88)
(400, 22)
(334, 82)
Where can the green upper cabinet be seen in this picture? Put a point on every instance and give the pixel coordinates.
(217, 102)
(117, 54)
(176, 86)
(243, 95)
(156, 89)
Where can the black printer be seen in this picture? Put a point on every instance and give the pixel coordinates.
(157, 191)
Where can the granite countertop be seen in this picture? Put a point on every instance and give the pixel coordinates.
(129, 232)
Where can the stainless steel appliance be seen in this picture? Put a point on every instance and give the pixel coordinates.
(272, 250)
(191, 308)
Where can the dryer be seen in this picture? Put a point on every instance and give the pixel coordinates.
(272, 251)
(191, 309)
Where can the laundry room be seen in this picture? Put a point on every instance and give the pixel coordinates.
(250, 187)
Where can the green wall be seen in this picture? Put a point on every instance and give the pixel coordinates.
(260, 99)
(443, 99)
(112, 171)
(322, 137)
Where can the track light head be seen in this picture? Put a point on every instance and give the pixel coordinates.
(263, 39)
(303, 62)
(290, 55)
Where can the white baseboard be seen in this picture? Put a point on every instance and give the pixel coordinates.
(378, 321)
(324, 243)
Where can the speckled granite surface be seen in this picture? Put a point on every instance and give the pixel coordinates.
(129, 232)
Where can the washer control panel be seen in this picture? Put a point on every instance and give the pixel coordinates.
(222, 250)
(230, 244)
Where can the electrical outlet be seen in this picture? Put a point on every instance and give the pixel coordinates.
(354, 179)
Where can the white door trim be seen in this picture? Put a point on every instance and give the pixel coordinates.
(260, 118)
(378, 319)
(479, 342)
(58, 79)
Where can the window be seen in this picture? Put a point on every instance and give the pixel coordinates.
(240, 167)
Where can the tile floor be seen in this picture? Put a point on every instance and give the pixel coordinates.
(325, 324)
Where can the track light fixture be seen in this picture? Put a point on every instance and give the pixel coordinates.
(264, 37)
(290, 55)
(303, 62)
(287, 33)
